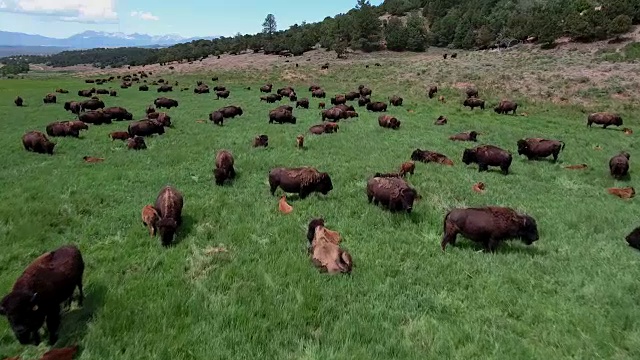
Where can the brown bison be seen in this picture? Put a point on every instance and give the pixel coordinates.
(102, 91)
(300, 141)
(338, 99)
(50, 99)
(472, 92)
(169, 205)
(219, 88)
(325, 251)
(321, 105)
(345, 107)
(408, 167)
(313, 88)
(303, 180)
(145, 128)
(506, 106)
(163, 119)
(95, 117)
(318, 93)
(474, 103)
(619, 165)
(281, 116)
(222, 94)
(271, 98)
(119, 135)
(333, 114)
(285, 107)
(433, 90)
(77, 124)
(364, 91)
(62, 91)
(165, 88)
(303, 103)
(37, 142)
(73, 106)
(36, 296)
(489, 226)
(224, 167)
(388, 121)
(164, 102)
(605, 119)
(377, 106)
(261, 141)
(395, 100)
(623, 193)
(540, 148)
(427, 156)
(62, 129)
(202, 89)
(18, 101)
(150, 109)
(85, 93)
(231, 111)
(364, 100)
(118, 113)
(92, 104)
(150, 218)
(217, 117)
(488, 155)
(391, 192)
(441, 120)
(136, 143)
(350, 96)
(351, 114)
(266, 88)
(465, 136)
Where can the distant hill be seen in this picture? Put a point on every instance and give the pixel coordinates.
(29, 50)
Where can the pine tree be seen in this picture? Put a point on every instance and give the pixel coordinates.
(269, 26)
(396, 35)
(416, 33)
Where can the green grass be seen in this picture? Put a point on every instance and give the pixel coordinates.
(572, 295)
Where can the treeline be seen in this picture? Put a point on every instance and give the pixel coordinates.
(14, 68)
(414, 25)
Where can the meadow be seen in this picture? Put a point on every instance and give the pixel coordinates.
(571, 295)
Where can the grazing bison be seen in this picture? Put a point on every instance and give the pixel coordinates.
(363, 100)
(441, 120)
(119, 135)
(95, 117)
(285, 107)
(605, 119)
(303, 180)
(85, 93)
(395, 100)
(261, 141)
(427, 156)
(266, 88)
(271, 98)
(164, 102)
(433, 90)
(222, 94)
(36, 296)
(50, 99)
(118, 113)
(351, 114)
(201, 89)
(333, 114)
(77, 124)
(619, 165)
(18, 101)
(318, 93)
(217, 117)
(231, 111)
(364, 91)
(338, 99)
(62, 129)
(633, 239)
(377, 106)
(325, 251)
(352, 95)
(136, 143)
(143, 88)
(540, 148)
(281, 116)
(163, 119)
(303, 103)
(474, 103)
(102, 91)
(224, 167)
(466, 136)
(145, 128)
(488, 155)
(92, 104)
(73, 106)
(472, 92)
(489, 226)
(506, 106)
(165, 88)
(392, 193)
(169, 205)
(387, 121)
(37, 142)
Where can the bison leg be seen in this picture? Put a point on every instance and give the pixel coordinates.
(303, 193)
(491, 245)
(555, 156)
(81, 292)
(53, 324)
(505, 169)
(482, 167)
(449, 237)
(232, 173)
(605, 126)
(273, 186)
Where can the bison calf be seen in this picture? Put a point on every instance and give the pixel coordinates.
(136, 143)
(119, 135)
(466, 136)
(150, 218)
(325, 251)
(261, 141)
(387, 121)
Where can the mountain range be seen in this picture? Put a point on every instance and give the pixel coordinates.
(90, 40)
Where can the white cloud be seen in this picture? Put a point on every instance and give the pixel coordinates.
(89, 11)
(144, 15)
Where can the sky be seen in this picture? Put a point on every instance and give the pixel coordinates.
(188, 18)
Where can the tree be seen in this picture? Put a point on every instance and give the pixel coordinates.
(269, 26)
(620, 25)
(395, 34)
(366, 27)
(416, 33)
(484, 37)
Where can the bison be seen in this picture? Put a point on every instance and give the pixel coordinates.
(102, 91)
(202, 89)
(271, 98)
(303, 180)
(145, 128)
(119, 135)
(338, 99)
(231, 111)
(387, 121)
(261, 141)
(18, 101)
(165, 88)
(605, 119)
(472, 92)
(136, 143)
(169, 205)
(408, 167)
(539, 148)
(92, 104)
(352, 95)
(395, 100)
(143, 88)
(363, 100)
(325, 251)
(300, 141)
(150, 218)
(118, 113)
(281, 116)
(62, 129)
(163, 119)
(474, 103)
(37, 142)
(619, 165)
(222, 94)
(391, 192)
(321, 105)
(73, 106)
(95, 117)
(224, 167)
(488, 155)
(333, 114)
(85, 93)
(433, 90)
(465, 136)
(49, 99)
(441, 120)
(489, 226)
(36, 296)
(303, 103)
(377, 106)
(633, 239)
(62, 91)
(217, 117)
(77, 124)
(427, 156)
(506, 106)
(266, 88)
(164, 102)
(318, 93)
(364, 91)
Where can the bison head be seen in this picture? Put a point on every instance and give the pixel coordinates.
(469, 156)
(407, 197)
(633, 239)
(49, 147)
(67, 105)
(324, 183)
(523, 147)
(128, 116)
(395, 123)
(497, 109)
(625, 154)
(473, 136)
(311, 229)
(529, 230)
(24, 315)
(220, 174)
(416, 155)
(167, 229)
(467, 102)
(617, 120)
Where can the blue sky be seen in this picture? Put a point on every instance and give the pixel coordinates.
(62, 18)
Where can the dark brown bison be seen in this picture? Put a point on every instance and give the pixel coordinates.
(466, 136)
(36, 296)
(95, 117)
(489, 226)
(113, 93)
(633, 239)
(303, 103)
(313, 88)
(364, 91)
(77, 124)
(136, 143)
(338, 99)
(266, 88)
(506, 106)
(321, 105)
(286, 91)
(119, 135)
(37, 142)
(345, 107)
(324, 67)
(224, 167)
(164, 102)
(202, 89)
(50, 99)
(89, 81)
(18, 101)
(231, 111)
(85, 93)
(281, 116)
(150, 109)
(163, 119)
(222, 94)
(472, 92)
(605, 119)
(377, 106)
(300, 141)
(303, 180)
(395, 100)
(363, 100)
(285, 107)
(217, 117)
(474, 103)
(325, 251)
(441, 120)
(351, 114)
(391, 192)
(318, 93)
(261, 141)
(387, 121)
(118, 113)
(350, 96)
(102, 91)
(62, 91)
(92, 104)
(540, 148)
(62, 129)
(488, 155)
(427, 156)
(271, 98)
(169, 205)
(619, 165)
(73, 106)
(219, 88)
(165, 88)
(433, 90)
(143, 88)
(145, 128)
(333, 114)
(293, 97)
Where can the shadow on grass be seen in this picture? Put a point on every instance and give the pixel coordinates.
(184, 230)
(506, 247)
(75, 323)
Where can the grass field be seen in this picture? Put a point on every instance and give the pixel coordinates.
(572, 295)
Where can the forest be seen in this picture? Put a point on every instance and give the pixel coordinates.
(396, 25)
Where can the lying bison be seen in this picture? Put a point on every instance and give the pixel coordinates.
(164, 102)
(281, 116)
(488, 155)
(169, 205)
(391, 192)
(390, 122)
(50, 99)
(303, 180)
(605, 119)
(85, 93)
(539, 148)
(489, 226)
(619, 165)
(165, 88)
(427, 156)
(145, 128)
(506, 106)
(36, 296)
(224, 167)
(474, 103)
(395, 100)
(261, 141)
(37, 142)
(143, 88)
(62, 129)
(222, 94)
(92, 104)
(118, 113)
(377, 106)
(324, 249)
(466, 136)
